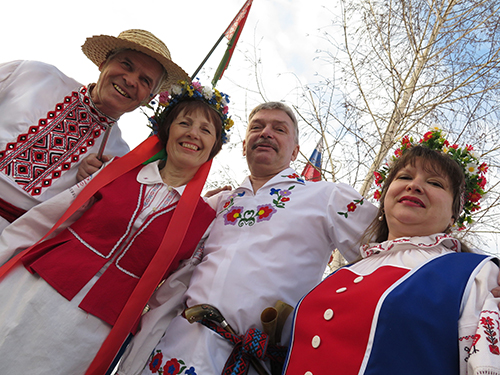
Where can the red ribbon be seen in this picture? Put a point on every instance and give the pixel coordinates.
(167, 251)
(10, 212)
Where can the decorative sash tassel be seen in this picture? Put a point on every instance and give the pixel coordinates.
(254, 343)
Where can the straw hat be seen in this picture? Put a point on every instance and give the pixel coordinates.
(98, 48)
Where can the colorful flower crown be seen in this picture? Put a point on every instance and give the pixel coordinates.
(217, 100)
(475, 180)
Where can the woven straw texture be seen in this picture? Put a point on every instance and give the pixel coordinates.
(98, 47)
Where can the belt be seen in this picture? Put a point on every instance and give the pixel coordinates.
(10, 212)
(254, 343)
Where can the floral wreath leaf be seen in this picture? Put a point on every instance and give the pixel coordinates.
(465, 157)
(184, 90)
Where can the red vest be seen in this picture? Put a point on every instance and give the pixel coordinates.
(69, 261)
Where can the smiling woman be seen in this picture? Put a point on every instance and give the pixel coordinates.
(416, 284)
(81, 282)
(419, 200)
(191, 141)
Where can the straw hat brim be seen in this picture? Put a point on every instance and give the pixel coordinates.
(98, 48)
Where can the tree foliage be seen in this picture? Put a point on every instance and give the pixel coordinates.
(400, 67)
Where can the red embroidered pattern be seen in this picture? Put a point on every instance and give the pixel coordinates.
(54, 144)
(370, 249)
(491, 334)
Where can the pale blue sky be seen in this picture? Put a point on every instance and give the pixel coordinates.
(284, 32)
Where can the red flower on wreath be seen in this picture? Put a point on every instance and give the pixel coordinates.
(406, 141)
(351, 207)
(474, 197)
(377, 195)
(482, 182)
(155, 363)
(427, 136)
(483, 168)
(378, 178)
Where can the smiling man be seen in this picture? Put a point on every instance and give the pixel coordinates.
(271, 241)
(49, 122)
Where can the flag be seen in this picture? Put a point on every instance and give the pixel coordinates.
(232, 33)
(312, 171)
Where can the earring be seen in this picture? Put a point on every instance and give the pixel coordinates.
(381, 217)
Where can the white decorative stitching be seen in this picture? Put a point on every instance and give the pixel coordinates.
(146, 224)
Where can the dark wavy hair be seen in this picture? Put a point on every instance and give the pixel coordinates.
(432, 160)
(187, 107)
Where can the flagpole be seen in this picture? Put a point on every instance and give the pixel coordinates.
(225, 60)
(241, 17)
(208, 56)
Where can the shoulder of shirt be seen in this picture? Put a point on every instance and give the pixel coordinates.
(38, 68)
(214, 200)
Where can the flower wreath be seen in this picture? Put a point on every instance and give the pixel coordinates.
(474, 171)
(217, 100)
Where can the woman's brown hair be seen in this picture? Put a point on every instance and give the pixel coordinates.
(187, 107)
(433, 160)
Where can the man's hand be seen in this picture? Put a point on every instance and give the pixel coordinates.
(89, 165)
(210, 193)
(496, 291)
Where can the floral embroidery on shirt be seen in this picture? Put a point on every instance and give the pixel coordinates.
(155, 363)
(486, 336)
(238, 215)
(173, 366)
(491, 334)
(230, 201)
(295, 177)
(472, 349)
(351, 207)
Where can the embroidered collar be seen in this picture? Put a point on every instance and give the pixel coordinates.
(150, 175)
(405, 243)
(287, 175)
(104, 118)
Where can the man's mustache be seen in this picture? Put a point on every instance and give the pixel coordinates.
(265, 142)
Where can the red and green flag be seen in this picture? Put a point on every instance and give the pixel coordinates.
(232, 33)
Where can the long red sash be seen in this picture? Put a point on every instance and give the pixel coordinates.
(169, 247)
(10, 212)
(175, 233)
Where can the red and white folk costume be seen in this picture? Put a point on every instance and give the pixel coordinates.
(48, 124)
(268, 245)
(54, 321)
(412, 306)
